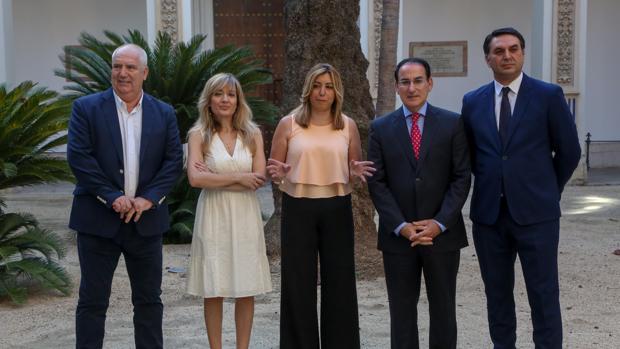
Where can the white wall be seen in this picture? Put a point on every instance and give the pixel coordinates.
(472, 20)
(42, 28)
(602, 117)
(202, 22)
(6, 40)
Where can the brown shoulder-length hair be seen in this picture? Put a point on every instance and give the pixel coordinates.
(303, 111)
(208, 125)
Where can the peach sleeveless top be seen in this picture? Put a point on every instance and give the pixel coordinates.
(318, 156)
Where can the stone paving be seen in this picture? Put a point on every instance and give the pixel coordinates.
(589, 277)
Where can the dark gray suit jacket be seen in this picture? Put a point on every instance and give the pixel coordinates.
(435, 186)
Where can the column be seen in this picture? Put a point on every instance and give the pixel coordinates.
(173, 17)
(152, 9)
(202, 22)
(569, 44)
(540, 48)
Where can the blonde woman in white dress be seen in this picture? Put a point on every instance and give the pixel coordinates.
(228, 255)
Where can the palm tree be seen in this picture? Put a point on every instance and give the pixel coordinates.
(32, 121)
(386, 97)
(28, 252)
(177, 74)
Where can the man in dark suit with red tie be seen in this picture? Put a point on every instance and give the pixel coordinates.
(125, 152)
(524, 147)
(421, 183)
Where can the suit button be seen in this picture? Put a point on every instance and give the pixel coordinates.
(504, 157)
(121, 171)
(418, 179)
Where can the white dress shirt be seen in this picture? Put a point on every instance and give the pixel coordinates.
(131, 131)
(409, 117)
(512, 95)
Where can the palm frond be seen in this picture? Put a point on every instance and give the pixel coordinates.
(43, 271)
(29, 254)
(11, 222)
(32, 121)
(264, 113)
(37, 170)
(9, 287)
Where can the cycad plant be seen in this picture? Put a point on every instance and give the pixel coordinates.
(29, 254)
(31, 122)
(177, 74)
(182, 202)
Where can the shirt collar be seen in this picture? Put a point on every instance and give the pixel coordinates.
(121, 104)
(422, 110)
(514, 85)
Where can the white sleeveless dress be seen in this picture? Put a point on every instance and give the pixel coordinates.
(228, 255)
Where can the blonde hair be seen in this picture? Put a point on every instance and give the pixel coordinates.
(208, 125)
(303, 112)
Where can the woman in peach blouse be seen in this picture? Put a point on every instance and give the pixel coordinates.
(315, 153)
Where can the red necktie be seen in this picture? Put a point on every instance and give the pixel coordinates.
(416, 136)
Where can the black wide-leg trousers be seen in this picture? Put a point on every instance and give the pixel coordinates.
(325, 226)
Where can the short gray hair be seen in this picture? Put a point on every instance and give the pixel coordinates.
(141, 53)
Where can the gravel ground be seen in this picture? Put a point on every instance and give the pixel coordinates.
(589, 281)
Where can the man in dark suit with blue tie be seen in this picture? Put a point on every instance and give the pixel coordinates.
(125, 153)
(524, 147)
(421, 182)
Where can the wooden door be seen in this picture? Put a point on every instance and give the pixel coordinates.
(260, 25)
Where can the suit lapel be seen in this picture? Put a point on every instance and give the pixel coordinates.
(429, 131)
(490, 120)
(523, 99)
(147, 125)
(111, 115)
(401, 136)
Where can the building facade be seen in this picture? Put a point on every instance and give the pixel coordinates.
(568, 42)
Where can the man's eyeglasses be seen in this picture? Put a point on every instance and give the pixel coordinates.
(407, 83)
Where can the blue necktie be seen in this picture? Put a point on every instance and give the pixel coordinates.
(504, 115)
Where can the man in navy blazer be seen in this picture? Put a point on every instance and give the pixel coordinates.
(125, 153)
(421, 182)
(524, 148)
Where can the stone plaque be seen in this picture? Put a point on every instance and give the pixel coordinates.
(447, 58)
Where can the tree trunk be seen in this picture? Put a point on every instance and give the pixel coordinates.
(386, 94)
(326, 31)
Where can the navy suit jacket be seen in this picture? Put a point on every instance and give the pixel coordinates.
(435, 186)
(538, 159)
(95, 155)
